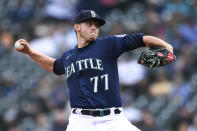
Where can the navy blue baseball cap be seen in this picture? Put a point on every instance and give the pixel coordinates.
(85, 15)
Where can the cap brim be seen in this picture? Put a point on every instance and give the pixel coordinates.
(99, 20)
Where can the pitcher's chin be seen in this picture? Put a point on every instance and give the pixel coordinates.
(92, 38)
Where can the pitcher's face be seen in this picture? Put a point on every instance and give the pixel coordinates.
(88, 30)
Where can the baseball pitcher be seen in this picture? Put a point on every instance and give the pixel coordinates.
(92, 75)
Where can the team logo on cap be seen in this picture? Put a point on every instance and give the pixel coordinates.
(93, 14)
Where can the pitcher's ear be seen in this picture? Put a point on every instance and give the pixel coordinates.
(76, 26)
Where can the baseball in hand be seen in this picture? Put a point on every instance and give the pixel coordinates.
(18, 46)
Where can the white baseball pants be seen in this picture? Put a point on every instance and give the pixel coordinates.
(112, 122)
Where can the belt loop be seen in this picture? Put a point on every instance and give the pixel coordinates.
(78, 111)
(112, 110)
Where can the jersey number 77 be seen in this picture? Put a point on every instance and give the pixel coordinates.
(102, 78)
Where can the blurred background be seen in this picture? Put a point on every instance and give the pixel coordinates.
(32, 99)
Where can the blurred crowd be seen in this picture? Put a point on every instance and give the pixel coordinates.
(154, 100)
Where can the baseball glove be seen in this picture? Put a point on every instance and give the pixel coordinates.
(153, 58)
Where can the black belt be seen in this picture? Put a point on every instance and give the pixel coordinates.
(95, 113)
